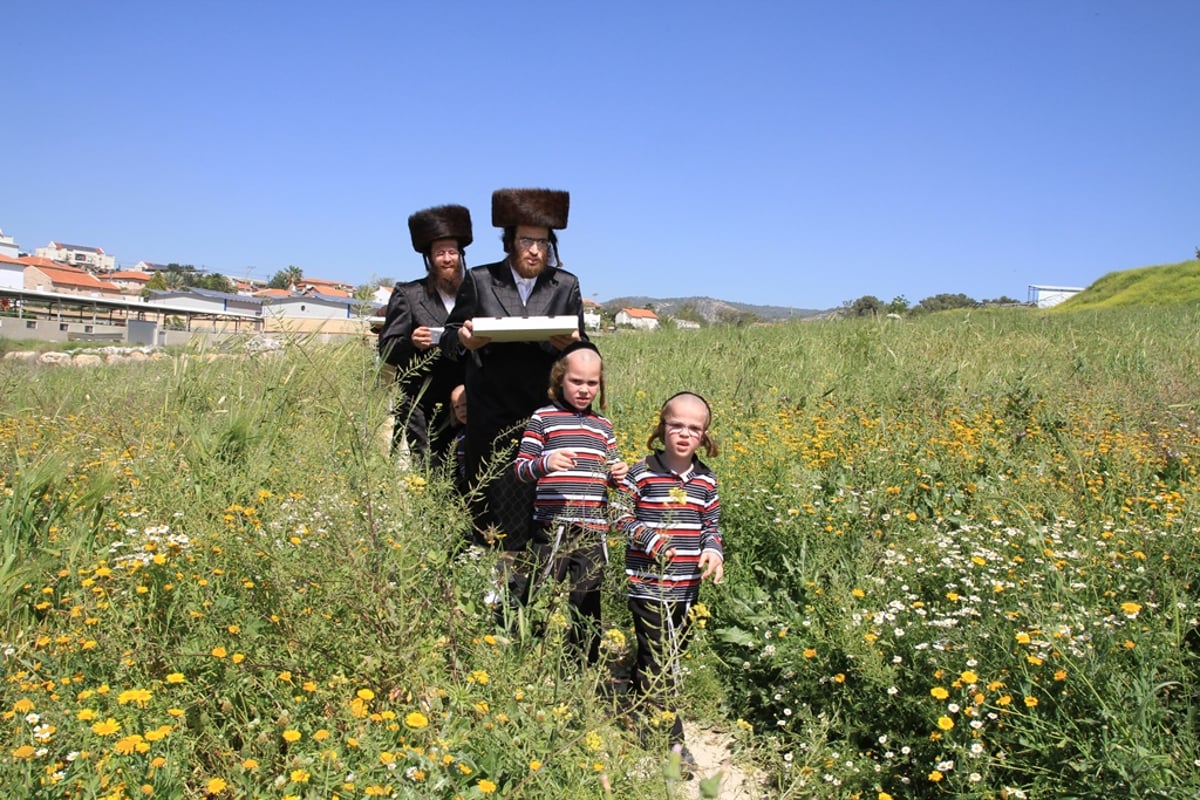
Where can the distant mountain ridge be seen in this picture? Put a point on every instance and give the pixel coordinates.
(710, 309)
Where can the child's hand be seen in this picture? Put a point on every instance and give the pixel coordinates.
(618, 471)
(560, 460)
(711, 564)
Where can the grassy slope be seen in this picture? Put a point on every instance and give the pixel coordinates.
(1162, 285)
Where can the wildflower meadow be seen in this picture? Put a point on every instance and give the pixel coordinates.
(962, 555)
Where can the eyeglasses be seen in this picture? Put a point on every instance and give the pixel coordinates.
(678, 428)
(527, 243)
(445, 251)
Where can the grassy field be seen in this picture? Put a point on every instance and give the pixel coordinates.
(961, 562)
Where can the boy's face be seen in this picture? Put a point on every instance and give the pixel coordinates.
(685, 422)
(581, 381)
(458, 404)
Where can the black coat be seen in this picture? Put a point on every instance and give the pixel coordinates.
(425, 411)
(506, 381)
(415, 305)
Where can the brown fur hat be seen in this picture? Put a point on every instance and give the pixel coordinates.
(440, 222)
(545, 208)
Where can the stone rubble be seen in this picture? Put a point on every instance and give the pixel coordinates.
(100, 356)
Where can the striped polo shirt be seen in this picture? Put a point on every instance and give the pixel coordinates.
(577, 496)
(662, 509)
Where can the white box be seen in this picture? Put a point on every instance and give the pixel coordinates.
(524, 329)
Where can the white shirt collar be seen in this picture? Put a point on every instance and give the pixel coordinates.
(524, 285)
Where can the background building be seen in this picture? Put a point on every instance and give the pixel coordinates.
(92, 258)
(1049, 296)
(642, 318)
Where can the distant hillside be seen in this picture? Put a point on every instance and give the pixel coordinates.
(1163, 285)
(711, 310)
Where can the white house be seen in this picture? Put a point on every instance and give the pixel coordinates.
(8, 247)
(641, 318)
(591, 314)
(92, 258)
(1050, 296)
(12, 273)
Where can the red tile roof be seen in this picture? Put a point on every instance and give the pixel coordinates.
(34, 261)
(77, 278)
(130, 275)
(319, 282)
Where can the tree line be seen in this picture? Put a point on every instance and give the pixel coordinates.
(871, 306)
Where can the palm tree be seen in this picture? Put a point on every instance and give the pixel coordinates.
(286, 278)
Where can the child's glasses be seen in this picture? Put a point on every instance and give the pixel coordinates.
(678, 428)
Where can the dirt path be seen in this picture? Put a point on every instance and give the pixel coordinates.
(713, 752)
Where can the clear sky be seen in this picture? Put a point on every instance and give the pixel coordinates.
(785, 153)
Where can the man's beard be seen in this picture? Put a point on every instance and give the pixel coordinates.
(449, 285)
(521, 268)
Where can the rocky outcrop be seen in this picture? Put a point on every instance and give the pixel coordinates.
(92, 357)
(258, 346)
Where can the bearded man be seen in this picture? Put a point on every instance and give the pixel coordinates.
(506, 381)
(416, 314)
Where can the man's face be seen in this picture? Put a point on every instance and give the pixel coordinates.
(531, 250)
(446, 264)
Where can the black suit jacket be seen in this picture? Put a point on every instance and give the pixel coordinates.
(414, 305)
(506, 381)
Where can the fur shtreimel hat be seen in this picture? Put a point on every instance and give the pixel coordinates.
(440, 222)
(546, 208)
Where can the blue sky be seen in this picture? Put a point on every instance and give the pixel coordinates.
(786, 153)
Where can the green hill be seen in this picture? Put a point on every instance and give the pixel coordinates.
(1163, 285)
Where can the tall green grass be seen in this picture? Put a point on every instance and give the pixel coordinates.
(961, 557)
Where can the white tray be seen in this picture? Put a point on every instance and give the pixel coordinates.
(524, 329)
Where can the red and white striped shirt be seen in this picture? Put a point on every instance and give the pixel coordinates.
(668, 510)
(578, 496)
